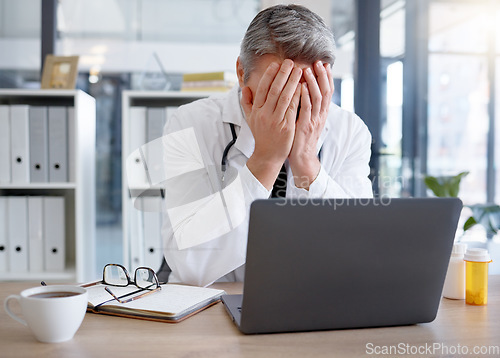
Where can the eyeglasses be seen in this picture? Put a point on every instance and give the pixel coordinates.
(117, 275)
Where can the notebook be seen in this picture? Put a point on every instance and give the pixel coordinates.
(173, 303)
(345, 263)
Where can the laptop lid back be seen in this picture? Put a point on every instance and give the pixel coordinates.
(346, 263)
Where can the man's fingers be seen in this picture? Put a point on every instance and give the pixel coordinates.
(328, 69)
(288, 93)
(291, 112)
(322, 77)
(265, 83)
(325, 82)
(272, 83)
(280, 83)
(314, 91)
(305, 104)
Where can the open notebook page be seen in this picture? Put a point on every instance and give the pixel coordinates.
(171, 299)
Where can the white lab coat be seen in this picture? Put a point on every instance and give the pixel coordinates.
(220, 255)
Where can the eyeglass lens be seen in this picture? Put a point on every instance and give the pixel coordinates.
(115, 275)
(145, 278)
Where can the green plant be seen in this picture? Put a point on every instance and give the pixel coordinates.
(487, 215)
(445, 186)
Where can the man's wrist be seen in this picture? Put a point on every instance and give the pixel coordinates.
(265, 171)
(305, 173)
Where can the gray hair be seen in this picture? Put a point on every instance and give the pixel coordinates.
(287, 31)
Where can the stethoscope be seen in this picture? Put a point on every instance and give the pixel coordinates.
(226, 150)
(223, 163)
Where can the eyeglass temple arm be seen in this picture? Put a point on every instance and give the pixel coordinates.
(84, 285)
(119, 299)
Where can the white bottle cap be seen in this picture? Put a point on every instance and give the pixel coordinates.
(459, 249)
(477, 255)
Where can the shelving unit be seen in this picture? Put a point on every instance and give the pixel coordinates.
(137, 250)
(78, 192)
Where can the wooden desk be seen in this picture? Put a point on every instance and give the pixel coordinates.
(211, 333)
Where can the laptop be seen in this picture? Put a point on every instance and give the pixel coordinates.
(327, 264)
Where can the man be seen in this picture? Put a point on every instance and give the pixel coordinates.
(280, 116)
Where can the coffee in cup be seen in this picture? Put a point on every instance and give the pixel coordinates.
(52, 313)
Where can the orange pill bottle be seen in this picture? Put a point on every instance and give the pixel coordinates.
(476, 276)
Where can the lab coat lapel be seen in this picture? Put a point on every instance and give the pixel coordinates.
(322, 137)
(233, 113)
(325, 131)
(245, 142)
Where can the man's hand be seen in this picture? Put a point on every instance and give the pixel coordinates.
(316, 95)
(271, 116)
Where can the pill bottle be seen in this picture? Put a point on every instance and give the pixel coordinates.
(476, 276)
(454, 284)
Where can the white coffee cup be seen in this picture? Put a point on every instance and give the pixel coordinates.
(53, 313)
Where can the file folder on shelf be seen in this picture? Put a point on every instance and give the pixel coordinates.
(153, 252)
(153, 151)
(19, 126)
(135, 218)
(156, 120)
(58, 144)
(5, 144)
(38, 134)
(4, 253)
(136, 174)
(35, 234)
(18, 233)
(54, 233)
(71, 145)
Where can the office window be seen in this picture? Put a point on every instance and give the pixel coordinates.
(459, 94)
(391, 181)
(392, 49)
(458, 121)
(223, 21)
(20, 32)
(18, 23)
(157, 20)
(458, 26)
(497, 104)
(497, 123)
(130, 35)
(392, 29)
